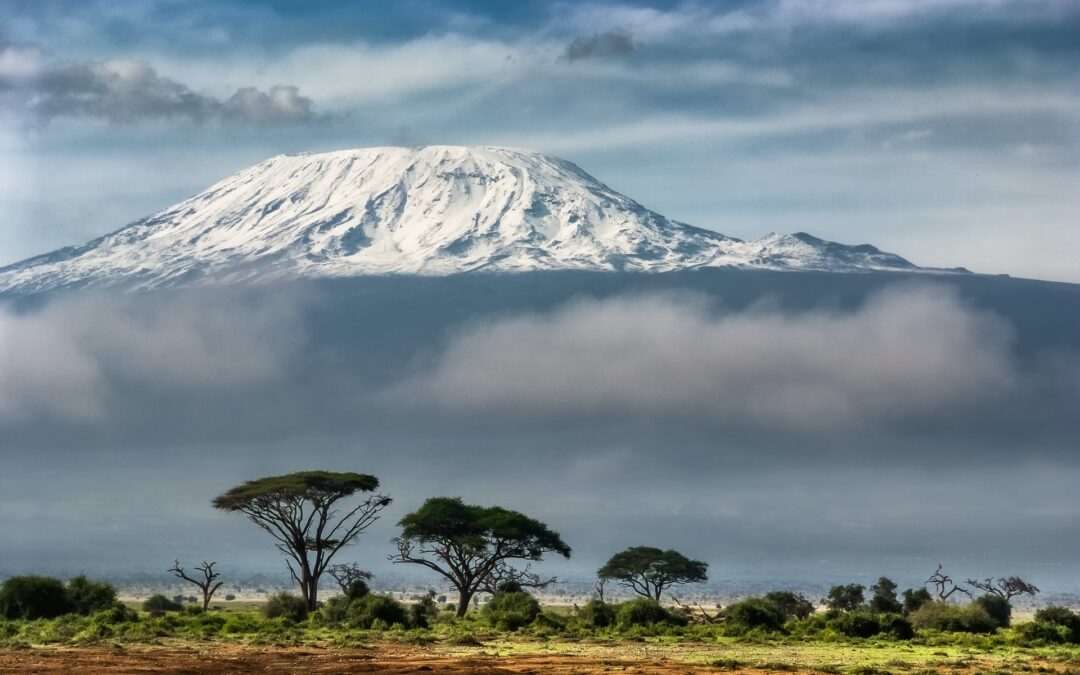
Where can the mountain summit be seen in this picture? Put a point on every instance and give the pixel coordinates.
(433, 211)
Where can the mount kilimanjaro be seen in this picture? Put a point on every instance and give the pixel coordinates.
(436, 210)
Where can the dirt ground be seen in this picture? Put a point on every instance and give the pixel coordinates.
(384, 658)
(223, 658)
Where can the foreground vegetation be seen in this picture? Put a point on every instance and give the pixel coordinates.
(774, 632)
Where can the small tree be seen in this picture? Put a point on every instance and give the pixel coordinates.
(943, 584)
(791, 605)
(299, 510)
(914, 598)
(883, 597)
(1005, 588)
(649, 571)
(847, 598)
(206, 581)
(466, 543)
(503, 574)
(349, 578)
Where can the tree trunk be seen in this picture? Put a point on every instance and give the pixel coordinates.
(312, 594)
(205, 600)
(464, 598)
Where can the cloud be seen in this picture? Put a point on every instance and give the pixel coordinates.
(912, 358)
(611, 43)
(126, 91)
(84, 358)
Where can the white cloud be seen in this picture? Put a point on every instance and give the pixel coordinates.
(907, 358)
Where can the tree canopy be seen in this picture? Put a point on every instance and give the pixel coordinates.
(300, 511)
(649, 571)
(468, 544)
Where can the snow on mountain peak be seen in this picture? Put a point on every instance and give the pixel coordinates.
(433, 210)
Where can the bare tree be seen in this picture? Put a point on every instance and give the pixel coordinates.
(1006, 587)
(598, 586)
(944, 585)
(503, 573)
(207, 582)
(347, 574)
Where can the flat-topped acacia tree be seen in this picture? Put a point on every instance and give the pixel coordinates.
(648, 571)
(304, 512)
(467, 544)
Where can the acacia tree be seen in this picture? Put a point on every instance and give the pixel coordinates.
(1005, 588)
(301, 512)
(649, 571)
(467, 544)
(206, 581)
(348, 577)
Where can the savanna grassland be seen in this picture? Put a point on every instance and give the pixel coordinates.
(555, 640)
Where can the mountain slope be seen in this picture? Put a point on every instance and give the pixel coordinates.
(430, 211)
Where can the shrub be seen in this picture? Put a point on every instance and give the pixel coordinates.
(118, 613)
(645, 612)
(511, 610)
(158, 604)
(1064, 622)
(287, 606)
(845, 598)
(597, 613)
(753, 613)
(33, 597)
(970, 618)
(375, 611)
(424, 611)
(915, 598)
(357, 589)
(87, 597)
(791, 605)
(997, 607)
(895, 626)
(855, 624)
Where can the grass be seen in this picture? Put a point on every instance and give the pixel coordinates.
(695, 645)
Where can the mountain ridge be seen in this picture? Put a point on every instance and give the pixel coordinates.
(435, 210)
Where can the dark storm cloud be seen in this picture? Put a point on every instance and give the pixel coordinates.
(125, 91)
(612, 43)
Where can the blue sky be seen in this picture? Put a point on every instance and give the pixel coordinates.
(945, 130)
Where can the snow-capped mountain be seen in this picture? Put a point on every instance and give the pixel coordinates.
(432, 211)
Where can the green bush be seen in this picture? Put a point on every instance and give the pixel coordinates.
(997, 607)
(374, 611)
(358, 589)
(1059, 621)
(33, 597)
(118, 613)
(87, 597)
(511, 610)
(895, 626)
(939, 615)
(914, 598)
(791, 605)
(424, 611)
(855, 624)
(158, 604)
(287, 606)
(597, 614)
(753, 613)
(645, 612)
(847, 598)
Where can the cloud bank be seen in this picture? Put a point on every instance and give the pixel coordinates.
(913, 356)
